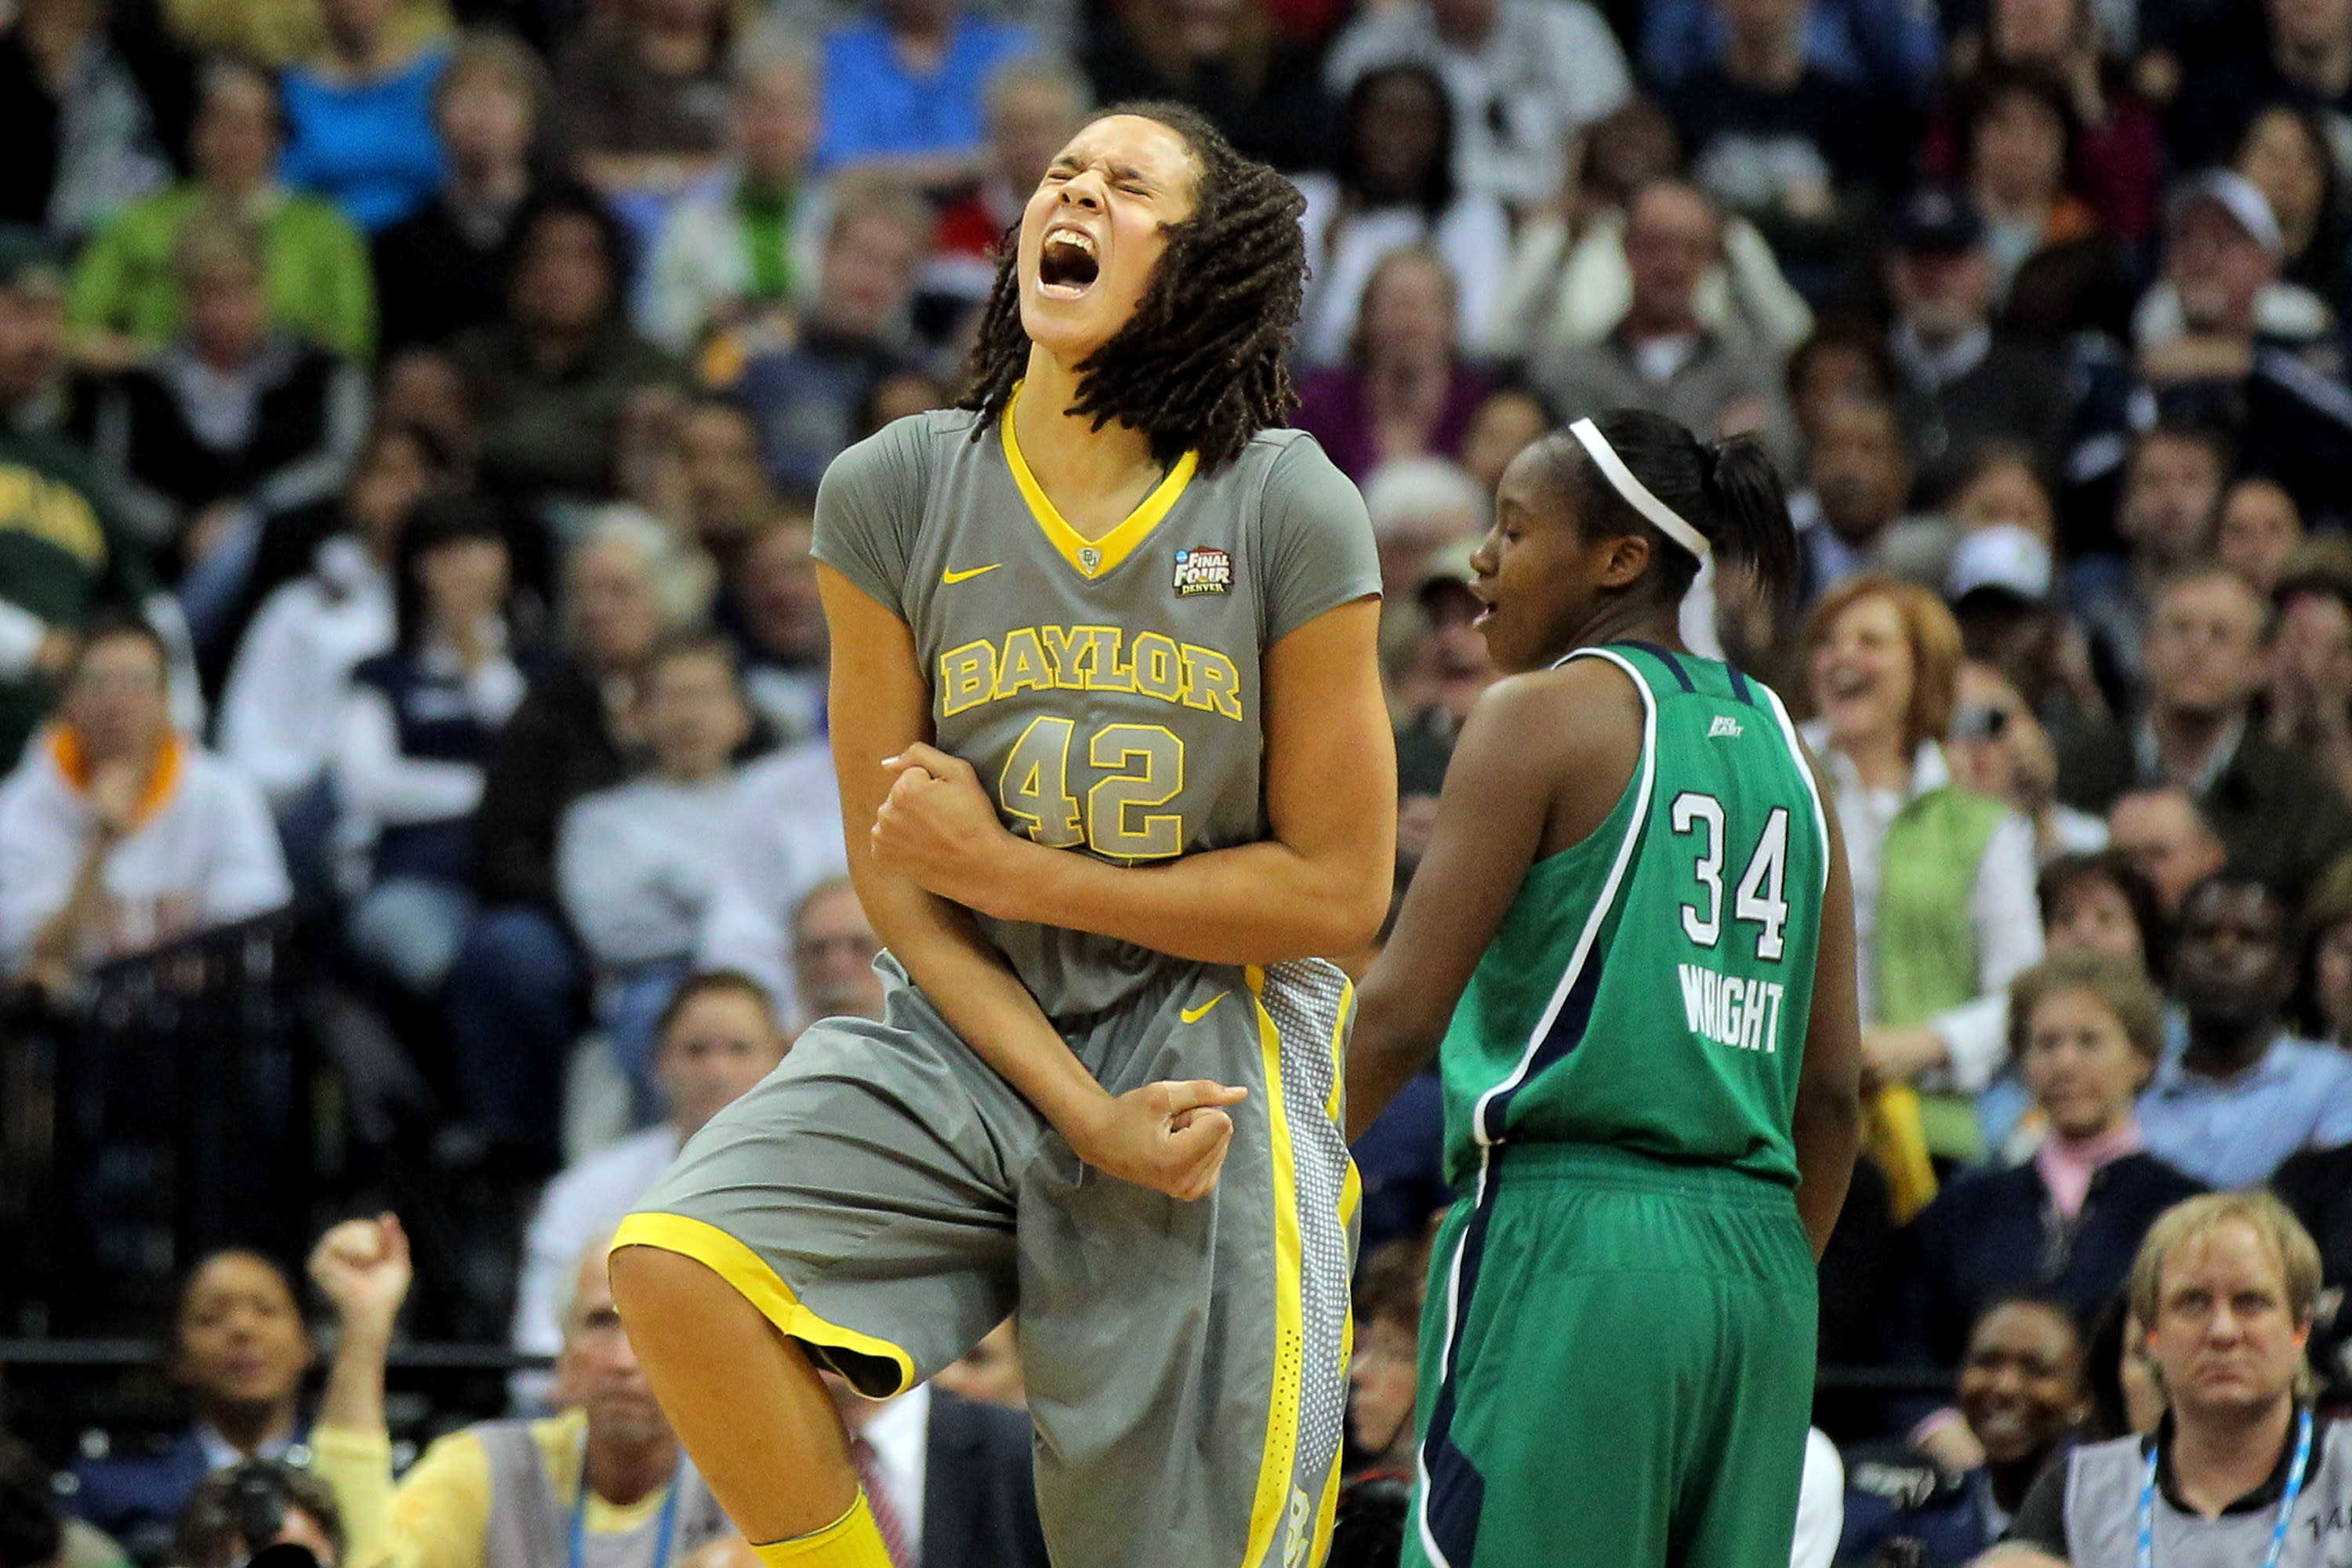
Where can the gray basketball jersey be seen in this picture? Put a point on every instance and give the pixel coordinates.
(1106, 692)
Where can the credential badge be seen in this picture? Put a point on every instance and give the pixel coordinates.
(1203, 569)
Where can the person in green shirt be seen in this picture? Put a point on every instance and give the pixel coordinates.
(124, 300)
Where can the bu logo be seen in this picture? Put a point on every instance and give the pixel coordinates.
(1725, 724)
(1089, 560)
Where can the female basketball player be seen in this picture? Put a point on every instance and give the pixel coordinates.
(1107, 609)
(1639, 900)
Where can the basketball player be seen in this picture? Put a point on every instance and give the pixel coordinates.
(1638, 898)
(1109, 728)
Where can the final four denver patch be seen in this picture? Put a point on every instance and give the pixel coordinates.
(1203, 570)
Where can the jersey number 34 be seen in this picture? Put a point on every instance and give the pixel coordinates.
(1758, 898)
(1117, 819)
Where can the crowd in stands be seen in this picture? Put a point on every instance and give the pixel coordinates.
(409, 419)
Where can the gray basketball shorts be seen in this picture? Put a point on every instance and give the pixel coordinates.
(884, 1198)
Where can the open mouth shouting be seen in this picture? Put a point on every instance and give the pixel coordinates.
(1067, 263)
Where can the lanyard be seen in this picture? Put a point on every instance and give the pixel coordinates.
(2286, 1502)
(664, 1532)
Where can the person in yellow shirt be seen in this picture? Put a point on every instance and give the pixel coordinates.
(603, 1484)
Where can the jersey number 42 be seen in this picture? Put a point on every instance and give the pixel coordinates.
(1117, 819)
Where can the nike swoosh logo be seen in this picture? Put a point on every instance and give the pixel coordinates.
(952, 576)
(1194, 1015)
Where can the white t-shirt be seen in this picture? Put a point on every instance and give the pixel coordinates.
(784, 839)
(281, 711)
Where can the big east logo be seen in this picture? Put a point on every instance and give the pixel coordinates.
(1201, 570)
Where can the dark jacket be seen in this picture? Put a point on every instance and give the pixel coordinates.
(1895, 1494)
(2016, 394)
(434, 280)
(556, 747)
(979, 1504)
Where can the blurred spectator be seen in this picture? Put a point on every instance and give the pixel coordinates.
(2309, 691)
(1392, 185)
(2289, 155)
(2244, 1094)
(64, 550)
(211, 1531)
(954, 1477)
(1802, 154)
(1507, 422)
(516, 996)
(2021, 1400)
(116, 832)
(748, 243)
(31, 1533)
(415, 726)
(1854, 515)
(1998, 748)
(2086, 1031)
(497, 1482)
(1382, 1374)
(2325, 990)
(1526, 77)
(785, 849)
(2271, 806)
(126, 300)
(637, 865)
(1421, 508)
(1450, 670)
(1569, 283)
(1943, 876)
(2164, 831)
(439, 270)
(1966, 383)
(1660, 356)
(718, 1036)
(2125, 1395)
(2056, 271)
(239, 1352)
(235, 417)
(1841, 359)
(2317, 1186)
(547, 382)
(728, 503)
(903, 85)
(2307, 60)
(1229, 59)
(2257, 532)
(79, 117)
(807, 396)
(781, 628)
(1032, 107)
(284, 696)
(2172, 483)
(1406, 391)
(359, 114)
(643, 94)
(1888, 46)
(989, 1373)
(834, 948)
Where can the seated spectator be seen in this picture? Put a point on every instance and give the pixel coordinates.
(239, 1352)
(1798, 153)
(64, 550)
(2172, 483)
(2021, 1400)
(2308, 697)
(2324, 995)
(2227, 1465)
(1943, 876)
(781, 630)
(1888, 46)
(748, 243)
(903, 84)
(1660, 356)
(1227, 58)
(1507, 422)
(834, 948)
(284, 1505)
(2244, 1094)
(2316, 1184)
(126, 301)
(2271, 806)
(1526, 76)
(2086, 1031)
(2304, 58)
(1420, 509)
(637, 864)
(718, 1036)
(727, 501)
(644, 91)
(1392, 185)
(1447, 674)
(2056, 271)
(1854, 515)
(1033, 105)
(518, 996)
(1998, 748)
(606, 1472)
(118, 834)
(807, 396)
(359, 114)
(547, 382)
(236, 417)
(2164, 833)
(439, 270)
(1966, 383)
(787, 858)
(82, 113)
(1382, 1374)
(2288, 153)
(415, 726)
(1841, 359)
(2256, 531)
(1406, 390)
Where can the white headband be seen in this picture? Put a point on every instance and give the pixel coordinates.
(1620, 480)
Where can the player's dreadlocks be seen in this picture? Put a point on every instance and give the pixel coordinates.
(1199, 366)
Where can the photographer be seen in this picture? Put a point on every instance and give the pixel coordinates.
(251, 1507)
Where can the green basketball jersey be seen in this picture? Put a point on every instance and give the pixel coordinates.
(1649, 986)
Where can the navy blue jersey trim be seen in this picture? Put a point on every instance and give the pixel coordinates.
(1668, 659)
(1739, 683)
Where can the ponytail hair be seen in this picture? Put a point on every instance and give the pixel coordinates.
(1727, 491)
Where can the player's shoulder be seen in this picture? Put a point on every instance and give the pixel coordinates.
(906, 449)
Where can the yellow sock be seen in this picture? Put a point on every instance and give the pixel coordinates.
(852, 1541)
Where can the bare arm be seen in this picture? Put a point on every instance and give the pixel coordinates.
(1171, 1137)
(1827, 1125)
(362, 1267)
(1317, 888)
